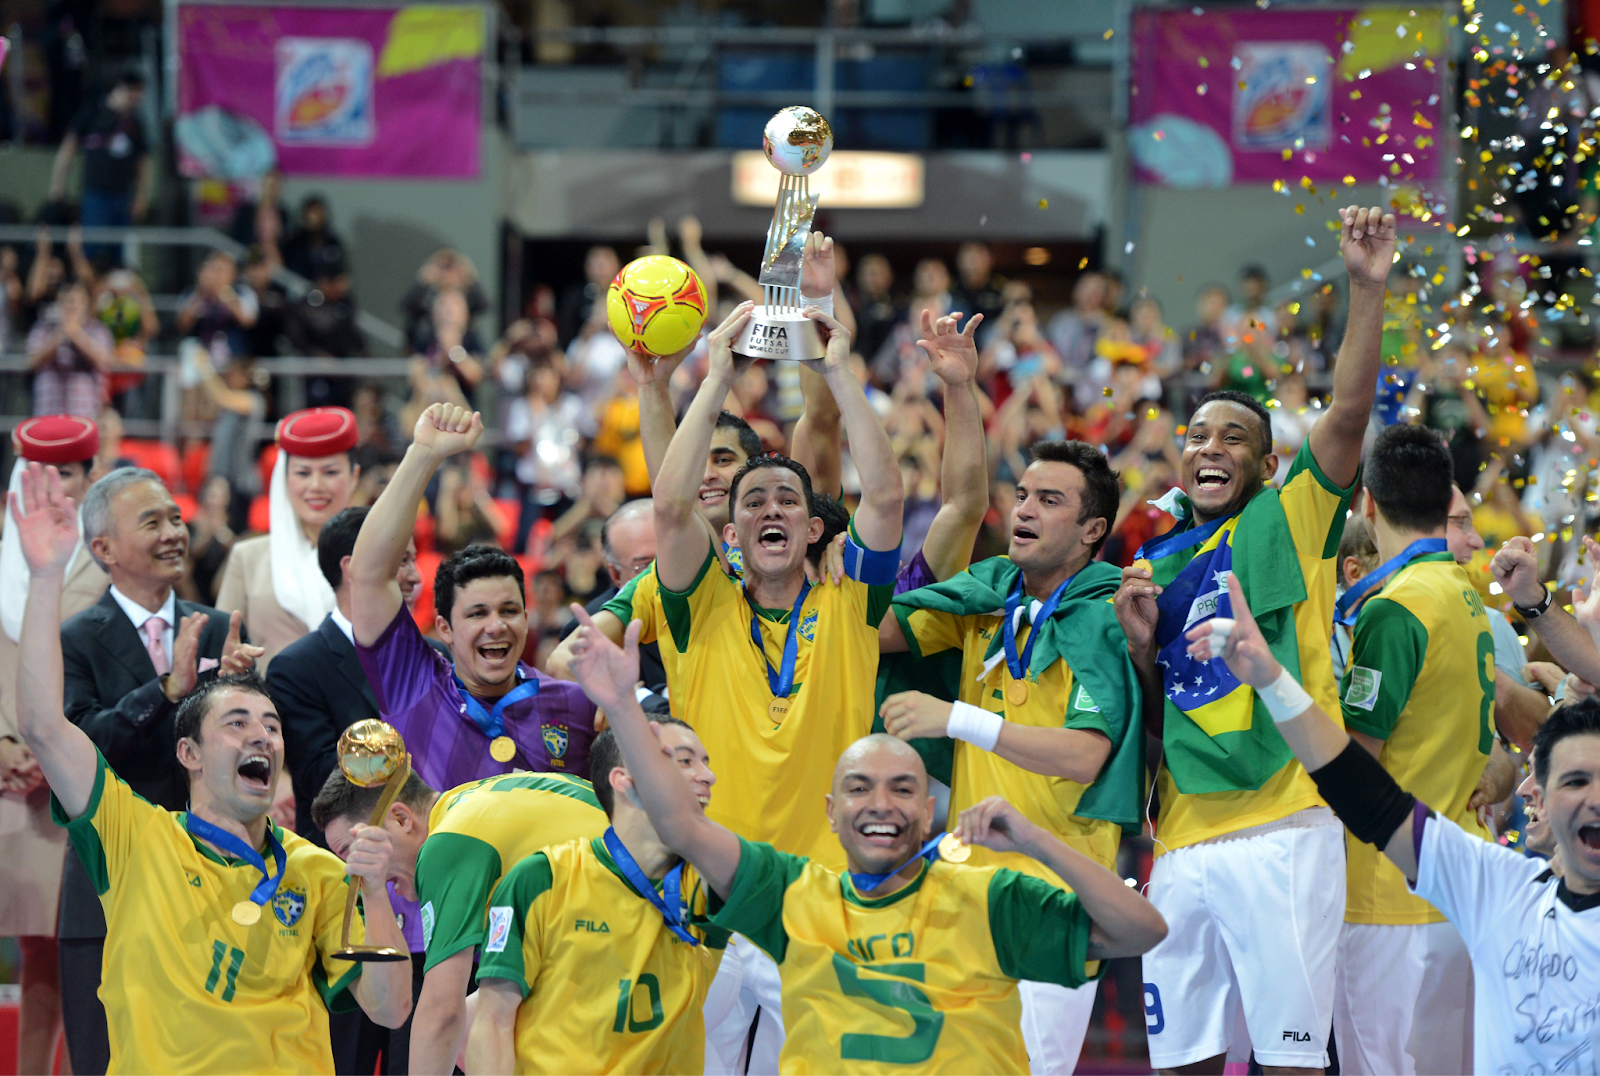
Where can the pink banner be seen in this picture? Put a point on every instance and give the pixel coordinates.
(333, 91)
(1251, 96)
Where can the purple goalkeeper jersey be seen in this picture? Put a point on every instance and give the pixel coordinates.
(419, 695)
(916, 573)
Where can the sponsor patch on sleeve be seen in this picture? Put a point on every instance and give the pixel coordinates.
(1082, 701)
(1363, 690)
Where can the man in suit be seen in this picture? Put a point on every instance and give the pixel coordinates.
(320, 689)
(129, 659)
(31, 846)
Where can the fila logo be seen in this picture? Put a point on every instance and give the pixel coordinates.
(591, 926)
(1297, 1036)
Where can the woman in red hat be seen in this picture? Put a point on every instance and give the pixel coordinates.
(274, 579)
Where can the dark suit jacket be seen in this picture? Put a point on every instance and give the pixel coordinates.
(113, 694)
(319, 689)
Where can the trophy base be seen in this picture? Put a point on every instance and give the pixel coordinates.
(369, 954)
(779, 334)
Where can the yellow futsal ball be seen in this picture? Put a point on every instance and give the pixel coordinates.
(656, 305)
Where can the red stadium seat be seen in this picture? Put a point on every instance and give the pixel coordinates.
(510, 509)
(265, 462)
(187, 506)
(427, 565)
(260, 514)
(158, 456)
(423, 532)
(196, 458)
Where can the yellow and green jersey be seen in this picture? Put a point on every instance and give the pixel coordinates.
(1055, 700)
(1314, 509)
(1421, 679)
(186, 989)
(772, 775)
(606, 986)
(922, 980)
(479, 831)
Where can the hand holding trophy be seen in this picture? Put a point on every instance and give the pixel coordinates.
(372, 753)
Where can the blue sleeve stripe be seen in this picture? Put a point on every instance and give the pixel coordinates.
(875, 569)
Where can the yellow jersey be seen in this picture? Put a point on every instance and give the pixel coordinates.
(606, 986)
(640, 599)
(772, 775)
(1055, 700)
(477, 832)
(1315, 508)
(1423, 637)
(185, 988)
(924, 978)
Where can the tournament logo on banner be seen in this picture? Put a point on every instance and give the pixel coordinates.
(323, 92)
(1283, 96)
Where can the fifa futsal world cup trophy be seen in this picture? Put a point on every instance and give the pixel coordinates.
(371, 753)
(797, 142)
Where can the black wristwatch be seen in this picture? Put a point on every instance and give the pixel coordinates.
(1534, 612)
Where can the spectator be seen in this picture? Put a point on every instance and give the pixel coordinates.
(116, 158)
(214, 313)
(1016, 349)
(1206, 342)
(10, 295)
(603, 493)
(617, 435)
(544, 426)
(1073, 331)
(211, 536)
(264, 339)
(1148, 329)
(445, 270)
(69, 352)
(45, 276)
(313, 250)
(261, 221)
(575, 308)
(453, 349)
(1251, 314)
(239, 401)
(378, 436)
(323, 323)
(876, 311)
(978, 290)
(466, 514)
(548, 613)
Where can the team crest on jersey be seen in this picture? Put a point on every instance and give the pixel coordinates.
(289, 905)
(555, 741)
(808, 627)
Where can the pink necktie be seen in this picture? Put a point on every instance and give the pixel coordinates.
(153, 629)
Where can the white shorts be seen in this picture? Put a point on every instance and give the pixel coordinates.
(1054, 1021)
(746, 982)
(1404, 1000)
(1252, 929)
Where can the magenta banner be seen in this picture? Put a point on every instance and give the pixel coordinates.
(332, 91)
(1241, 95)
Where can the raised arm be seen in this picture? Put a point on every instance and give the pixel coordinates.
(1367, 241)
(1570, 640)
(878, 518)
(442, 430)
(607, 674)
(48, 533)
(682, 538)
(964, 468)
(816, 442)
(656, 421)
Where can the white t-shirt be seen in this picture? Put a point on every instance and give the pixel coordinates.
(1535, 952)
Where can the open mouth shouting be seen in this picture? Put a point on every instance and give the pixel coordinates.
(494, 653)
(255, 773)
(1211, 479)
(772, 538)
(1589, 836)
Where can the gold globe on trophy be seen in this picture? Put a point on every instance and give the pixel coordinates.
(371, 753)
(797, 142)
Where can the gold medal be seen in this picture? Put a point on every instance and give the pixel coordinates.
(1017, 692)
(501, 749)
(247, 913)
(951, 850)
(778, 709)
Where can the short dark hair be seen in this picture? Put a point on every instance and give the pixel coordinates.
(1581, 718)
(337, 541)
(603, 462)
(1245, 400)
(466, 565)
(1103, 486)
(132, 78)
(339, 797)
(1410, 477)
(605, 755)
(1253, 272)
(192, 708)
(772, 459)
(749, 439)
(835, 520)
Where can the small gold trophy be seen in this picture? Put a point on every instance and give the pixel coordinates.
(372, 753)
(797, 141)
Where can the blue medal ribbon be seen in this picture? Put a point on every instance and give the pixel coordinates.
(492, 723)
(1018, 663)
(1348, 607)
(865, 882)
(781, 681)
(1177, 540)
(671, 905)
(267, 888)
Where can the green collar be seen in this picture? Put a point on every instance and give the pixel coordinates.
(847, 890)
(215, 856)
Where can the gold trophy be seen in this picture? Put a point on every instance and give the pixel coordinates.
(371, 753)
(797, 142)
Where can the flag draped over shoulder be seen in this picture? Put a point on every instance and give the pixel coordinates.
(1083, 632)
(1217, 734)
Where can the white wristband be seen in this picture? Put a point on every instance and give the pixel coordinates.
(1284, 698)
(977, 727)
(823, 303)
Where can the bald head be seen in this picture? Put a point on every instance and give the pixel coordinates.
(628, 540)
(882, 756)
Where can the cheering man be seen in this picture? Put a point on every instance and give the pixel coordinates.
(896, 939)
(1048, 715)
(197, 977)
(1248, 850)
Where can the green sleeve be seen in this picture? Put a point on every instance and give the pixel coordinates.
(1386, 655)
(502, 955)
(1084, 713)
(455, 875)
(1040, 932)
(621, 606)
(676, 605)
(84, 831)
(754, 906)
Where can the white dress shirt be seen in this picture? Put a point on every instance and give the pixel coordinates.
(344, 624)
